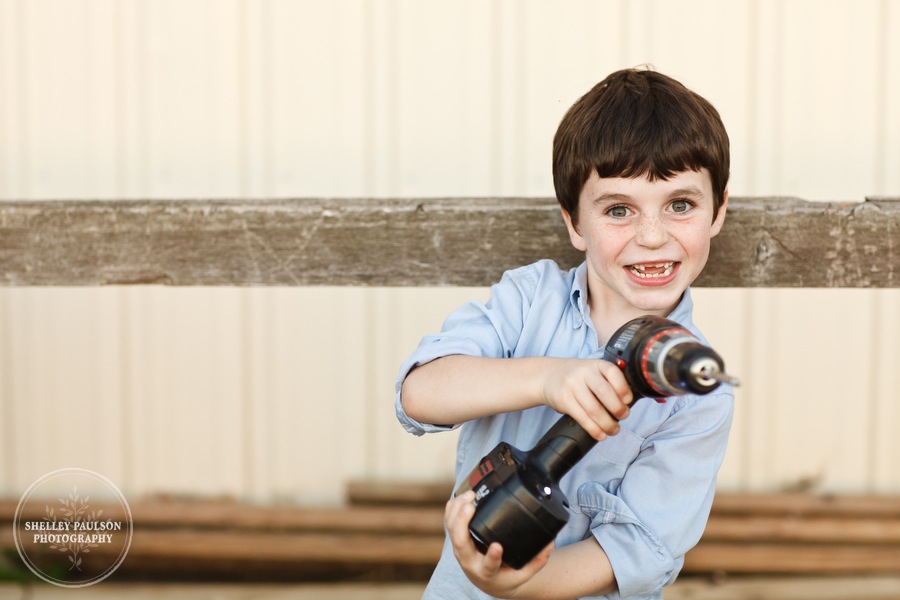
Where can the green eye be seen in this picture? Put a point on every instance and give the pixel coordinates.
(618, 211)
(680, 206)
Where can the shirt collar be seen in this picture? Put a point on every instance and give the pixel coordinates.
(683, 311)
(578, 295)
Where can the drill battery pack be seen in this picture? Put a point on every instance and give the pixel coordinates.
(516, 505)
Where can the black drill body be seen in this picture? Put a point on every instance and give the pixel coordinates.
(518, 501)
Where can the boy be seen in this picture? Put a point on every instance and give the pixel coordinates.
(640, 168)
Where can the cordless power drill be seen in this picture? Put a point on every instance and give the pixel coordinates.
(518, 501)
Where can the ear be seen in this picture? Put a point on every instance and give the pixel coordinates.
(574, 236)
(720, 217)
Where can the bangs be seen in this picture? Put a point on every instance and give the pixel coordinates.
(646, 134)
(638, 124)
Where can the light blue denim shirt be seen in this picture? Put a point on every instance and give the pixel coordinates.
(644, 494)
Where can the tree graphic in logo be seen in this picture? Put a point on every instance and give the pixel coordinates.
(94, 542)
(74, 510)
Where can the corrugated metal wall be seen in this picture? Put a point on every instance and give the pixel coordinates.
(282, 394)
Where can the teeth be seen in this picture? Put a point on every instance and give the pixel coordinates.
(641, 270)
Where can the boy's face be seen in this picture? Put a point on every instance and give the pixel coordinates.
(645, 241)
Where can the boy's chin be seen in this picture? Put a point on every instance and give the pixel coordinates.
(656, 302)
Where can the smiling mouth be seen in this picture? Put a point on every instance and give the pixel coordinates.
(652, 270)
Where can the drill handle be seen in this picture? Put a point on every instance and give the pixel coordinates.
(560, 448)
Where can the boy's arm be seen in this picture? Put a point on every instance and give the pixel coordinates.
(468, 371)
(580, 569)
(454, 389)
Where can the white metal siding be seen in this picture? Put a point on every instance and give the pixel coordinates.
(282, 394)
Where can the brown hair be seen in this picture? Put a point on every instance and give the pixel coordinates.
(634, 123)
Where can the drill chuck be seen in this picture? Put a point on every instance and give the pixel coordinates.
(518, 501)
(661, 358)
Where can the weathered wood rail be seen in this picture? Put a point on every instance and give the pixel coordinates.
(766, 242)
(393, 531)
(772, 533)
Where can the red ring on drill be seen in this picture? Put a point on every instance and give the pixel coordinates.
(645, 355)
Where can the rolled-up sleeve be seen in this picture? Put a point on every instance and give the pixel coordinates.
(489, 329)
(660, 510)
(431, 348)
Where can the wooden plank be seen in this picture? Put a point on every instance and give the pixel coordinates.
(823, 530)
(251, 546)
(766, 242)
(806, 504)
(226, 555)
(216, 538)
(793, 243)
(801, 587)
(213, 514)
(403, 518)
(783, 558)
(306, 548)
(393, 493)
(855, 587)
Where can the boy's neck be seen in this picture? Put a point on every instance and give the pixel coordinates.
(609, 316)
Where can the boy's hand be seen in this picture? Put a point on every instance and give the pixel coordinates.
(593, 392)
(486, 571)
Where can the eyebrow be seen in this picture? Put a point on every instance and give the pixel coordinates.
(690, 190)
(610, 197)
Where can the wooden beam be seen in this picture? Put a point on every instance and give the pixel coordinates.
(231, 515)
(812, 530)
(385, 492)
(806, 504)
(786, 242)
(782, 558)
(766, 242)
(746, 534)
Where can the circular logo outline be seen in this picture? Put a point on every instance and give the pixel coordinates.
(26, 496)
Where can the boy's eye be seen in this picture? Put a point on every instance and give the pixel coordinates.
(618, 211)
(680, 206)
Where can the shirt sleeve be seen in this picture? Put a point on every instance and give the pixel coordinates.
(489, 329)
(660, 509)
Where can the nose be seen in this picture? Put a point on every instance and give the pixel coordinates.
(651, 232)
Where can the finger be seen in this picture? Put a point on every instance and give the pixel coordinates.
(612, 390)
(616, 379)
(455, 513)
(593, 399)
(583, 418)
(457, 516)
(493, 559)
